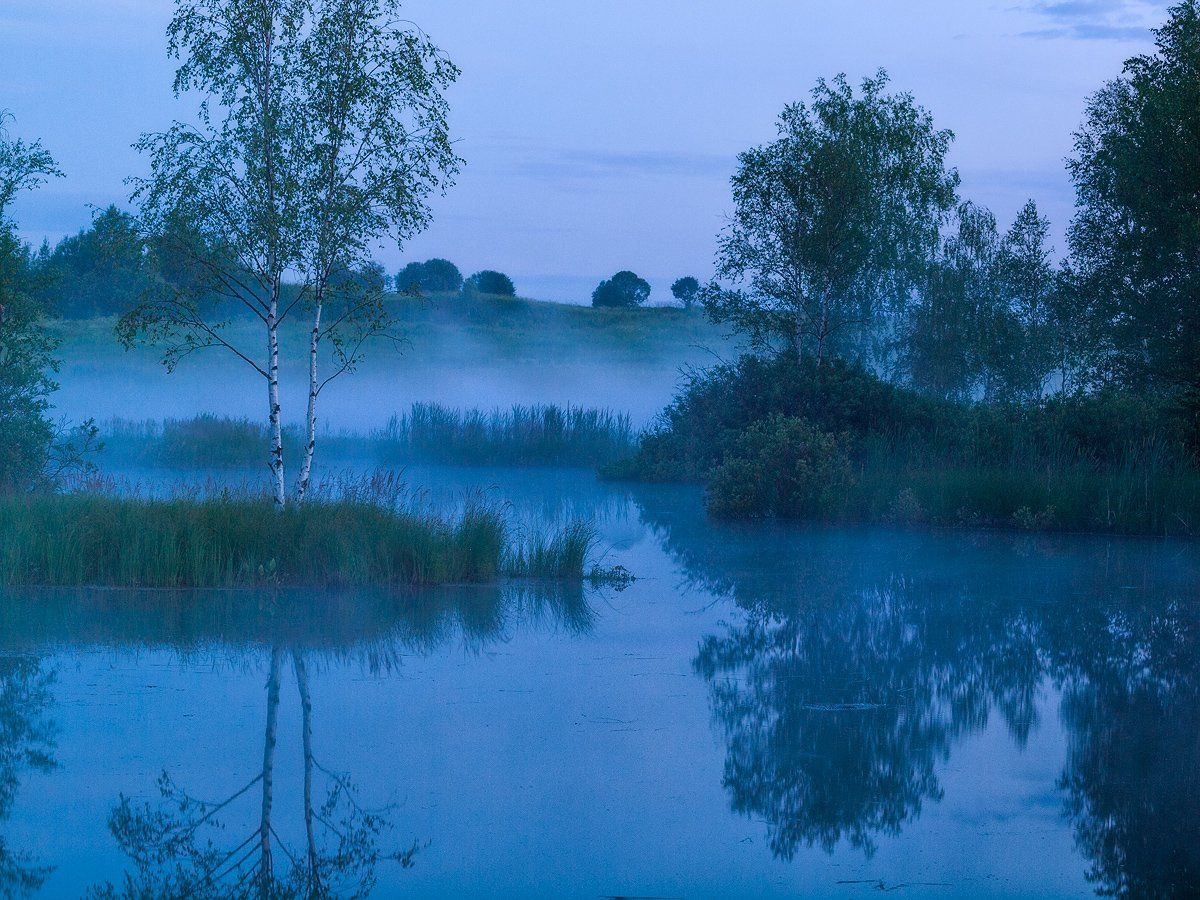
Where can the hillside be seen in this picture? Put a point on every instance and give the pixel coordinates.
(479, 352)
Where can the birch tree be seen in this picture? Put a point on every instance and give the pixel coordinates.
(376, 123)
(223, 192)
(834, 220)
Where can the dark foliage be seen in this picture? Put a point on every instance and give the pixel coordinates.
(625, 289)
(490, 282)
(434, 276)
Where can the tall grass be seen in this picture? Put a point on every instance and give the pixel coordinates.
(543, 435)
(202, 442)
(235, 540)
(429, 433)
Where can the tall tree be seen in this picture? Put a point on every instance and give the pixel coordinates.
(224, 193)
(1028, 280)
(322, 129)
(26, 350)
(834, 220)
(377, 125)
(1135, 240)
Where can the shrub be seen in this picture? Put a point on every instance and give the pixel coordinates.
(624, 290)
(783, 466)
(488, 282)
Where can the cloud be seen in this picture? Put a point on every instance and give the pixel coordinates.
(1095, 20)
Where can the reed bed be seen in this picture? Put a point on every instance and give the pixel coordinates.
(359, 535)
(542, 435)
(520, 436)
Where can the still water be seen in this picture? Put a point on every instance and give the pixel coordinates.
(767, 711)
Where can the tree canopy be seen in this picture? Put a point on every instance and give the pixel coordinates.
(685, 290)
(490, 282)
(834, 221)
(624, 290)
(1135, 240)
(434, 276)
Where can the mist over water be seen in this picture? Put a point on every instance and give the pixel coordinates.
(455, 370)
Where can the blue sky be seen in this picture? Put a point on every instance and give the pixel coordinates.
(600, 135)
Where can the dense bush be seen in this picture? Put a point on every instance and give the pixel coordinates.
(782, 466)
(1105, 461)
(703, 424)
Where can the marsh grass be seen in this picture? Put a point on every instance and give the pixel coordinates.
(543, 435)
(361, 533)
(560, 555)
(429, 433)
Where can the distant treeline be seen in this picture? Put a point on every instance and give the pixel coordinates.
(521, 436)
(107, 268)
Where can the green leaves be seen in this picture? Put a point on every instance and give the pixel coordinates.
(834, 220)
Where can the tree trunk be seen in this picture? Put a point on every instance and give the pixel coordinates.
(310, 445)
(276, 420)
(266, 871)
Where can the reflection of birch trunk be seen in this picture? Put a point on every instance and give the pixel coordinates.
(266, 870)
(314, 871)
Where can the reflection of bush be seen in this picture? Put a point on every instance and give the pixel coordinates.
(858, 660)
(26, 743)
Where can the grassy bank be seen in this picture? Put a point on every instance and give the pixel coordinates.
(782, 437)
(544, 435)
(229, 540)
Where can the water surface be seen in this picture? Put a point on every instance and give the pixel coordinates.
(768, 711)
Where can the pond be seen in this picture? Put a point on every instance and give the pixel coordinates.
(767, 711)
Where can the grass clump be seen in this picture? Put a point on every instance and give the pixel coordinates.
(231, 540)
(783, 436)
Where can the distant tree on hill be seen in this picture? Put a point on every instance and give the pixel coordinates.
(490, 282)
(625, 289)
(434, 276)
(685, 290)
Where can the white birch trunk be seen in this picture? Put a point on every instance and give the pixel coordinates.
(310, 445)
(276, 420)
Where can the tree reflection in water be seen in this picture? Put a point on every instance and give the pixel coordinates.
(26, 743)
(237, 846)
(856, 663)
